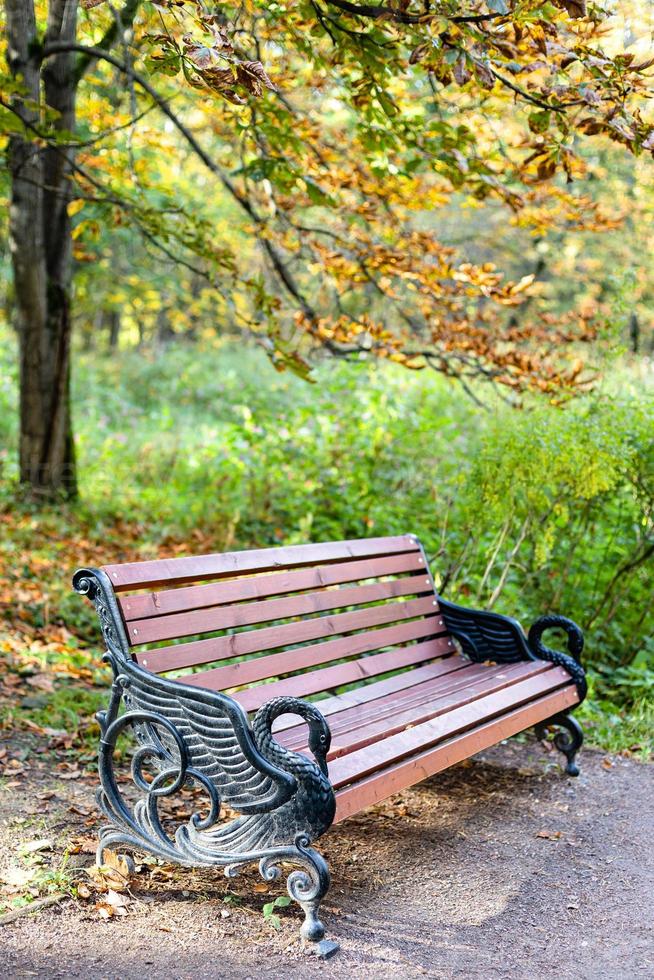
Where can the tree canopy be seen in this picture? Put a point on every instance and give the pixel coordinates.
(336, 133)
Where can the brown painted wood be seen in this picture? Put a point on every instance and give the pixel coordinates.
(289, 661)
(380, 755)
(273, 637)
(408, 772)
(192, 623)
(372, 704)
(146, 574)
(457, 696)
(354, 728)
(364, 698)
(261, 586)
(328, 678)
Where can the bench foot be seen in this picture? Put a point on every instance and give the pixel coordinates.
(324, 950)
(307, 886)
(568, 741)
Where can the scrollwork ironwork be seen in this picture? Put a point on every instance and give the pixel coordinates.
(490, 636)
(569, 661)
(568, 741)
(485, 635)
(193, 736)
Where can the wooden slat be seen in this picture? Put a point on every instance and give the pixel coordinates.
(386, 713)
(265, 585)
(328, 678)
(145, 574)
(191, 623)
(371, 701)
(380, 755)
(277, 664)
(364, 698)
(394, 779)
(273, 637)
(456, 692)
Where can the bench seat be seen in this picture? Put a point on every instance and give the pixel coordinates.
(391, 741)
(302, 684)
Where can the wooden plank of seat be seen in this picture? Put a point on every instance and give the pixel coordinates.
(378, 704)
(271, 637)
(399, 776)
(261, 586)
(191, 623)
(353, 731)
(290, 661)
(146, 574)
(317, 681)
(381, 754)
(364, 696)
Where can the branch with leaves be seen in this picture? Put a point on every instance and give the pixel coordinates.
(343, 131)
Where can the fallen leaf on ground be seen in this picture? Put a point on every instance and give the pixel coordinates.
(34, 846)
(104, 910)
(43, 682)
(116, 899)
(16, 877)
(81, 811)
(83, 845)
(114, 874)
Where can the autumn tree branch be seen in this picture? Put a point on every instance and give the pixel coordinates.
(123, 20)
(98, 54)
(377, 11)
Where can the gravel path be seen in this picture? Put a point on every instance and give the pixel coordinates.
(499, 868)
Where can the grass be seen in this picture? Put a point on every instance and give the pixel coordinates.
(614, 728)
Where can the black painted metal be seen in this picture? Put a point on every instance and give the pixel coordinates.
(490, 636)
(192, 735)
(485, 635)
(570, 661)
(569, 741)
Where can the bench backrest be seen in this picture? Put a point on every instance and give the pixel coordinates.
(336, 613)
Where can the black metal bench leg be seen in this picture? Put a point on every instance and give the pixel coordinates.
(307, 886)
(568, 741)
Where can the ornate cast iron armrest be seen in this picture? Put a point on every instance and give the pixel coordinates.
(570, 661)
(485, 635)
(190, 735)
(571, 737)
(491, 636)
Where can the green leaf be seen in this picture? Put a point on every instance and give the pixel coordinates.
(539, 121)
(317, 195)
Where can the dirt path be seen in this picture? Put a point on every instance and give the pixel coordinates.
(500, 868)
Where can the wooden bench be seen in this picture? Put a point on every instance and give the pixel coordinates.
(402, 684)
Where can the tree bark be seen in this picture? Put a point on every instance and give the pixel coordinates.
(41, 247)
(634, 332)
(113, 320)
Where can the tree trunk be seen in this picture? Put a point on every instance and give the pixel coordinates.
(113, 320)
(634, 332)
(41, 248)
(164, 331)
